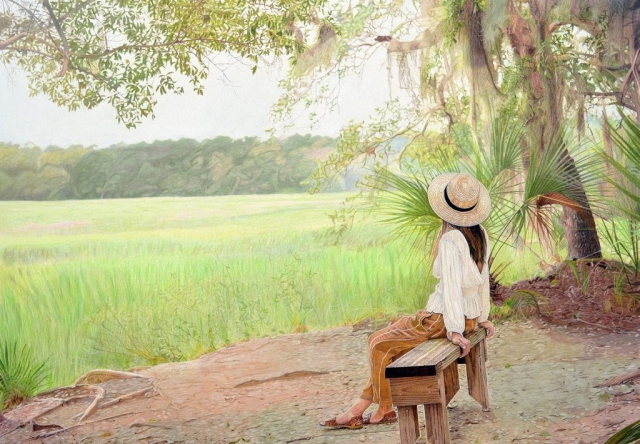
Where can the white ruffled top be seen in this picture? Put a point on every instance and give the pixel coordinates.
(463, 291)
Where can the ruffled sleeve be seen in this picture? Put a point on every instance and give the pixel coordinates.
(451, 286)
(485, 297)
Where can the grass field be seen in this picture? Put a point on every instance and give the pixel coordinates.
(121, 283)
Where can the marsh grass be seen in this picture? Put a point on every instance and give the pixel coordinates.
(122, 283)
(21, 374)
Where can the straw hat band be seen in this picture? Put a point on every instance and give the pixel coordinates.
(451, 203)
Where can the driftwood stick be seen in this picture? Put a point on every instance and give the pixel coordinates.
(620, 379)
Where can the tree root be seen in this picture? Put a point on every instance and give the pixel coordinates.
(57, 432)
(102, 375)
(94, 405)
(126, 397)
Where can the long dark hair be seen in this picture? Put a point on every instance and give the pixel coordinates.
(474, 237)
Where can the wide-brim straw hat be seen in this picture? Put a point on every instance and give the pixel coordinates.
(459, 198)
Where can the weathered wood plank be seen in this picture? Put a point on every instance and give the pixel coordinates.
(451, 382)
(414, 391)
(430, 357)
(477, 374)
(408, 423)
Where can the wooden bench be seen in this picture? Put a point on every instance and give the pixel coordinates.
(428, 375)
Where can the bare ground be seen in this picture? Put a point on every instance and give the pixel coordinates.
(276, 390)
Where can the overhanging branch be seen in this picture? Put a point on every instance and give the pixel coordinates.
(63, 37)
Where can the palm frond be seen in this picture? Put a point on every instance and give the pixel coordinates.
(627, 435)
(404, 202)
(627, 166)
(506, 146)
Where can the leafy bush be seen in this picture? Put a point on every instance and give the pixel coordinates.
(519, 305)
(21, 375)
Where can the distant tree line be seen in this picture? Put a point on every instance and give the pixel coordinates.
(186, 167)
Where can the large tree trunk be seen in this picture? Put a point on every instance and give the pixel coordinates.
(580, 229)
(582, 240)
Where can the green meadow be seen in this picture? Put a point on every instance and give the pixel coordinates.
(131, 282)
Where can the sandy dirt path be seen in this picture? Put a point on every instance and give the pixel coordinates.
(276, 390)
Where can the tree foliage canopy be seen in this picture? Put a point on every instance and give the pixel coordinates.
(125, 52)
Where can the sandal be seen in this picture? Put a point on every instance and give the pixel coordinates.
(354, 423)
(388, 418)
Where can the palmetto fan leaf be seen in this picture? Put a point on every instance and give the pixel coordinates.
(628, 167)
(499, 168)
(554, 176)
(404, 198)
(496, 167)
(406, 206)
(506, 147)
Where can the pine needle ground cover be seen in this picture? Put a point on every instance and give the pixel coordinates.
(123, 283)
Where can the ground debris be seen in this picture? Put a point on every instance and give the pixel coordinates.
(627, 377)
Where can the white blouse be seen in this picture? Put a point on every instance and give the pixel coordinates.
(462, 290)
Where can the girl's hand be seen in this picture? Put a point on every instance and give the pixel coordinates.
(489, 326)
(462, 342)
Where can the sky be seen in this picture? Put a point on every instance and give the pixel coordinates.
(235, 105)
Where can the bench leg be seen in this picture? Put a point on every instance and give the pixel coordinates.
(436, 417)
(408, 422)
(451, 381)
(477, 374)
(437, 423)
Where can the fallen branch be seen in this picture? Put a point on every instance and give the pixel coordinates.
(620, 379)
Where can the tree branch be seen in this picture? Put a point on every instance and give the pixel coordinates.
(34, 51)
(63, 37)
(627, 78)
(602, 94)
(159, 45)
(11, 40)
(398, 46)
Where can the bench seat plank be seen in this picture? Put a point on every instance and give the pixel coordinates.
(430, 357)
